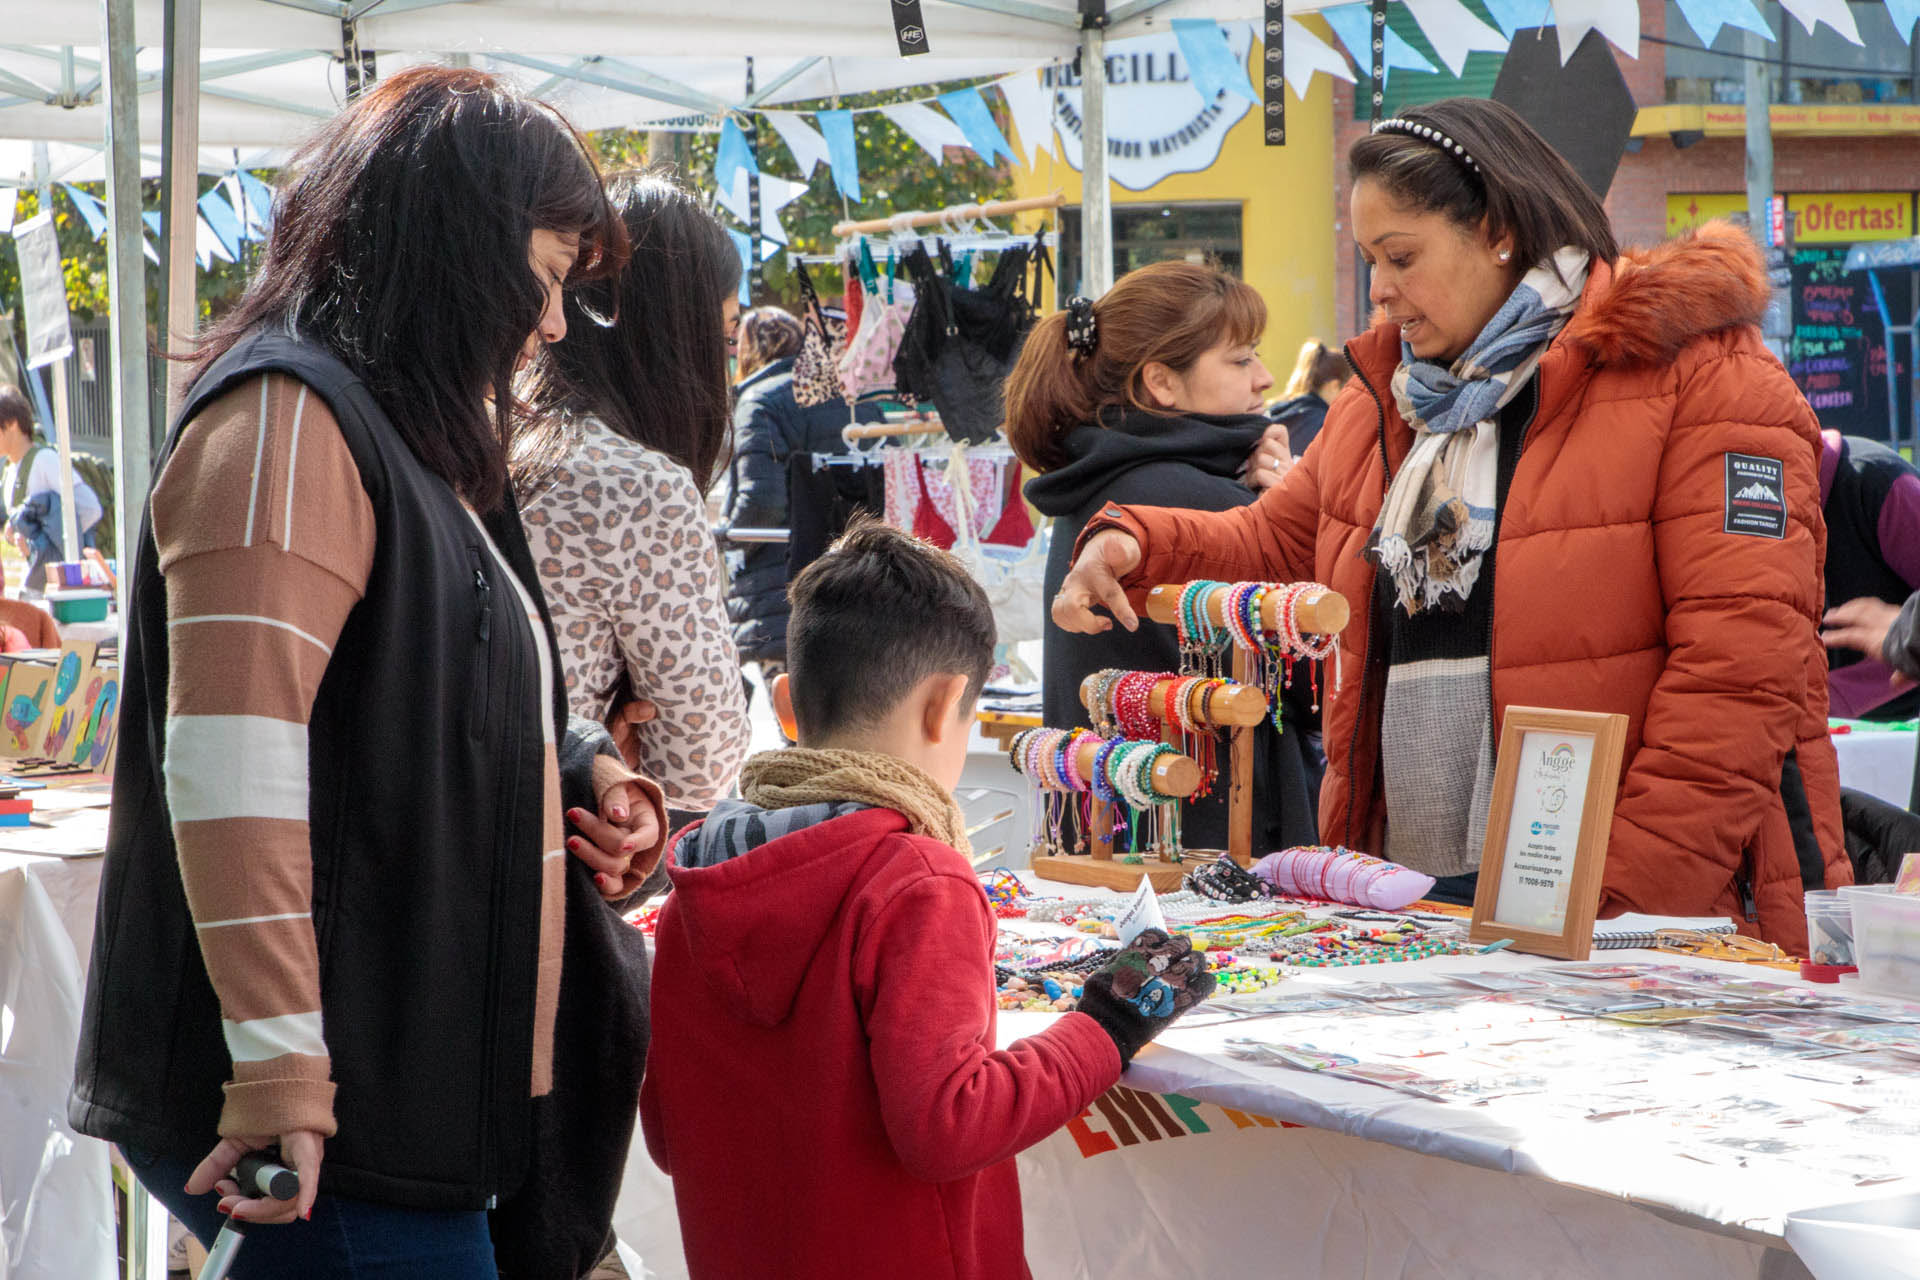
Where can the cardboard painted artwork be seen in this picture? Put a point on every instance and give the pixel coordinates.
(23, 722)
(73, 675)
(100, 712)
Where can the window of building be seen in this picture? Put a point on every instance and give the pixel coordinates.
(1190, 231)
(1823, 67)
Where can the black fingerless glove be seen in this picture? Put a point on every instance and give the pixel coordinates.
(1139, 993)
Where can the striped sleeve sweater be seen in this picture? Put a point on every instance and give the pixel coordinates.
(266, 540)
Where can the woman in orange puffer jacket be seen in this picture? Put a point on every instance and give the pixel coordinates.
(1561, 477)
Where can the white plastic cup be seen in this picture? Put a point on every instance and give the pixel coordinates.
(1829, 927)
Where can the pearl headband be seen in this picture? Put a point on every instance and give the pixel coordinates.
(1415, 129)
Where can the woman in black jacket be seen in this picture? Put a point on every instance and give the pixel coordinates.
(1153, 394)
(1316, 380)
(769, 427)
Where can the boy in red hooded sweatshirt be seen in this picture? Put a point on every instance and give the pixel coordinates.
(822, 1082)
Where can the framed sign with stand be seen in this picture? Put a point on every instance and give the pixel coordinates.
(1547, 825)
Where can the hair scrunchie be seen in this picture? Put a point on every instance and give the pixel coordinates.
(1083, 330)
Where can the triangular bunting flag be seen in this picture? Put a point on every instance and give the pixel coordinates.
(1617, 20)
(9, 202)
(969, 111)
(1454, 32)
(933, 131)
(776, 193)
(91, 211)
(1517, 15)
(1352, 22)
(1307, 53)
(220, 216)
(837, 128)
(1706, 17)
(804, 143)
(1903, 13)
(1834, 13)
(1031, 106)
(259, 199)
(732, 155)
(1211, 67)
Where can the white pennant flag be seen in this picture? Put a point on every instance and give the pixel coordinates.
(1454, 32)
(933, 131)
(808, 148)
(776, 193)
(1308, 53)
(1031, 105)
(1835, 13)
(1617, 20)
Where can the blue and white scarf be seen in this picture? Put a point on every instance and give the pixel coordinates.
(1439, 511)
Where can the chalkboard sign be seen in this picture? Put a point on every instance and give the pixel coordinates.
(1838, 351)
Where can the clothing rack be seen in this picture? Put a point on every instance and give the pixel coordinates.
(988, 242)
(888, 430)
(947, 216)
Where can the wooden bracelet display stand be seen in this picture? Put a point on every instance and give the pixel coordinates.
(1174, 775)
(1237, 708)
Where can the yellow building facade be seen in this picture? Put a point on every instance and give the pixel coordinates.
(1283, 195)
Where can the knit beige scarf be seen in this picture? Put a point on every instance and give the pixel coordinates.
(802, 775)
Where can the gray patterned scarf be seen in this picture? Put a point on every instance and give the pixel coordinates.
(1439, 512)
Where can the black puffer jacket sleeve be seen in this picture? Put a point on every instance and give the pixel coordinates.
(1901, 649)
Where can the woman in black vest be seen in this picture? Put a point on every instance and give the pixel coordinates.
(336, 880)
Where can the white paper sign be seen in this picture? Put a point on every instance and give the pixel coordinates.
(1143, 912)
(1156, 123)
(44, 290)
(1549, 795)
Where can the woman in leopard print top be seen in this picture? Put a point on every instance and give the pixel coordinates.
(631, 421)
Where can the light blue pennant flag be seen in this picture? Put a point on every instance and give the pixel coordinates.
(837, 128)
(1354, 25)
(1706, 17)
(91, 211)
(732, 156)
(225, 223)
(1513, 15)
(259, 199)
(969, 111)
(1903, 13)
(1210, 62)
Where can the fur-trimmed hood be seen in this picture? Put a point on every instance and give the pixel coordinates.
(1661, 299)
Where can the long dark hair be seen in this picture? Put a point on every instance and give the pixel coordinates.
(401, 244)
(1170, 313)
(1523, 187)
(658, 374)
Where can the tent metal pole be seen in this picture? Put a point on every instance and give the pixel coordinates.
(180, 178)
(126, 294)
(1096, 203)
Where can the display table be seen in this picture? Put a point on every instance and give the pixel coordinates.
(56, 1202)
(1199, 1162)
(1203, 1163)
(1877, 759)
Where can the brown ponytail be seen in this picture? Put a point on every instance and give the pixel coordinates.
(1169, 313)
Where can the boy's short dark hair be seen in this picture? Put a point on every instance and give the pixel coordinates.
(14, 409)
(873, 617)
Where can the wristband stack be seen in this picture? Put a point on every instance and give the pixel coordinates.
(1121, 776)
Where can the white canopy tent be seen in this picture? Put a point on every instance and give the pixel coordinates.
(282, 65)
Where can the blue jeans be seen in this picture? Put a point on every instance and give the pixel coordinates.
(344, 1240)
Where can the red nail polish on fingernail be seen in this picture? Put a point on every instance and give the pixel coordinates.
(308, 1215)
